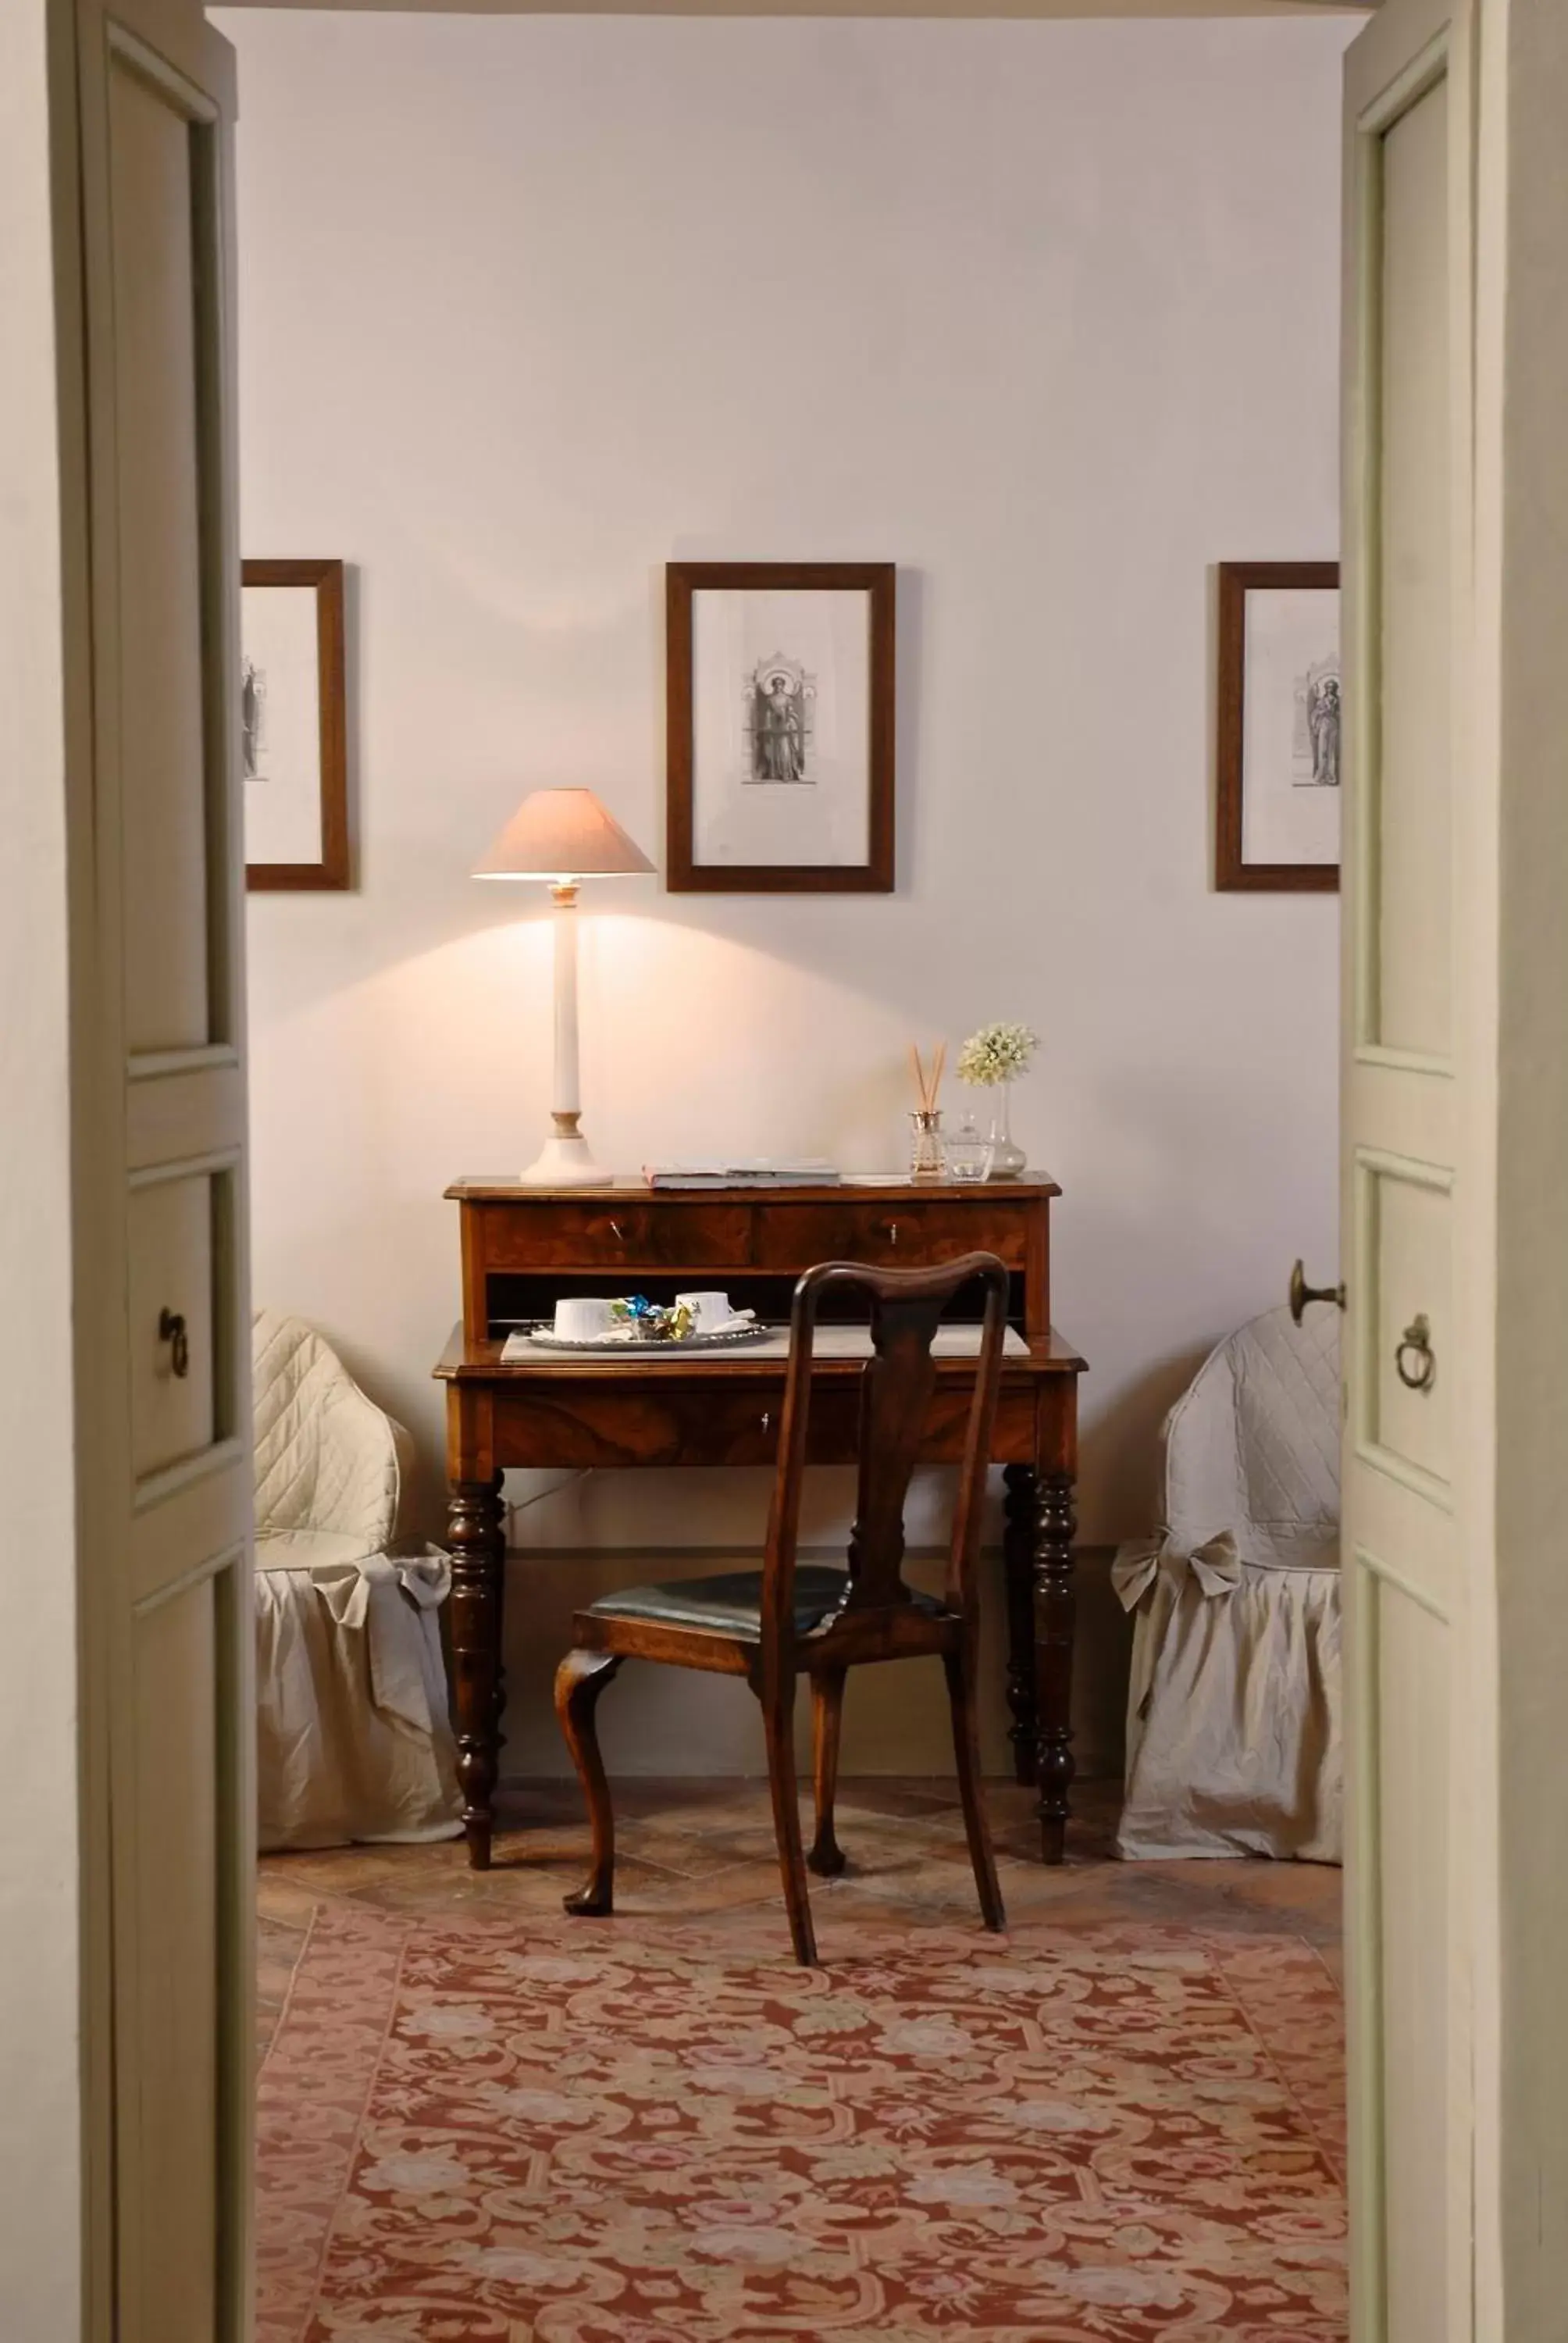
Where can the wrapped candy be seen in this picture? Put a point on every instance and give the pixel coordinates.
(651, 1322)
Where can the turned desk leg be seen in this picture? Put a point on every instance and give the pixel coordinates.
(1056, 1607)
(1021, 1508)
(476, 1534)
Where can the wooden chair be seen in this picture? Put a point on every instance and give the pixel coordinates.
(772, 1625)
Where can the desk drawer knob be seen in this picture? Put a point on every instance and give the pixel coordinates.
(892, 1232)
(767, 1418)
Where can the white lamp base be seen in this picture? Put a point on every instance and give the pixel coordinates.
(565, 1159)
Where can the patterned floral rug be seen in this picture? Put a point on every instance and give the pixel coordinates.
(634, 2133)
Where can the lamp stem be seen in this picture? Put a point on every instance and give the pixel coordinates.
(567, 1095)
(565, 1159)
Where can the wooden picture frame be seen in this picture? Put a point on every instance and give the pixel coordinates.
(1238, 866)
(324, 864)
(732, 729)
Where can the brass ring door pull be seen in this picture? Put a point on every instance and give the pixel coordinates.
(172, 1331)
(1301, 1294)
(1417, 1341)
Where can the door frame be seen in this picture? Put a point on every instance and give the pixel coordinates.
(62, 1256)
(1513, 1265)
(55, 2035)
(1406, 1117)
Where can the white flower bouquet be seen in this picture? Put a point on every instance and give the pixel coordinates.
(997, 1053)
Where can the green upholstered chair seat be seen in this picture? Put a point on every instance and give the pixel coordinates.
(731, 1604)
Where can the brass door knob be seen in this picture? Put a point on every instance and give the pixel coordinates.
(1416, 1341)
(172, 1331)
(1301, 1293)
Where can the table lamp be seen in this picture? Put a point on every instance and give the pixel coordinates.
(562, 836)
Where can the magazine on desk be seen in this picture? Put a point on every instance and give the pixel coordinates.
(748, 1171)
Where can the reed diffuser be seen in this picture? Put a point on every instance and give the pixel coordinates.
(926, 1158)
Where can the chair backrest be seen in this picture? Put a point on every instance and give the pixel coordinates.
(326, 1457)
(1254, 1445)
(896, 1385)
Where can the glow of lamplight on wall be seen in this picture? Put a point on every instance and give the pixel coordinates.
(691, 1040)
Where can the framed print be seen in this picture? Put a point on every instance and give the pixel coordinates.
(780, 715)
(294, 747)
(1278, 729)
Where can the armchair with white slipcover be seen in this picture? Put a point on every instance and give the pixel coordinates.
(352, 1738)
(1233, 1720)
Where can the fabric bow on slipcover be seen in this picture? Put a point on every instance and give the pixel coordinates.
(1216, 1566)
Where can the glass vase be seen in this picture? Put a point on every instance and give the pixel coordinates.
(1007, 1158)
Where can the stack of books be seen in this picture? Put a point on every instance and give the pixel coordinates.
(753, 1172)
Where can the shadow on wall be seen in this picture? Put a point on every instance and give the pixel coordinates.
(1129, 1453)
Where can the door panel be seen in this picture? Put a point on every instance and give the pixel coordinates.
(1408, 1731)
(174, 1665)
(170, 1227)
(1404, 1214)
(164, 735)
(1410, 776)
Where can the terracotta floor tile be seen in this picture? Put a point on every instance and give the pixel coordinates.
(703, 1849)
(873, 1795)
(694, 1854)
(534, 1887)
(714, 1898)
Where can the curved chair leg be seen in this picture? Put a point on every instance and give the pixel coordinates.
(965, 1753)
(579, 1680)
(778, 1724)
(827, 1857)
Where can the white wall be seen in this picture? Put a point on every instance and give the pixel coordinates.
(1047, 313)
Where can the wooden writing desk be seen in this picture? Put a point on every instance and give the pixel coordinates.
(524, 1249)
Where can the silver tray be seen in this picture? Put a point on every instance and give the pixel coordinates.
(610, 1346)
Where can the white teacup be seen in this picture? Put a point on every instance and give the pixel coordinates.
(708, 1310)
(584, 1321)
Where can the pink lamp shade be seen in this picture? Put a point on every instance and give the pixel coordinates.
(562, 834)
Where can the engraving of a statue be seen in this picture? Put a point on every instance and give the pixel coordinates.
(779, 745)
(1324, 725)
(252, 718)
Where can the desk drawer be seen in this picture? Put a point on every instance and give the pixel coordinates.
(897, 1234)
(600, 1234)
(562, 1424)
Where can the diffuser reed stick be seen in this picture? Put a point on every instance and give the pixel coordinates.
(928, 1085)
